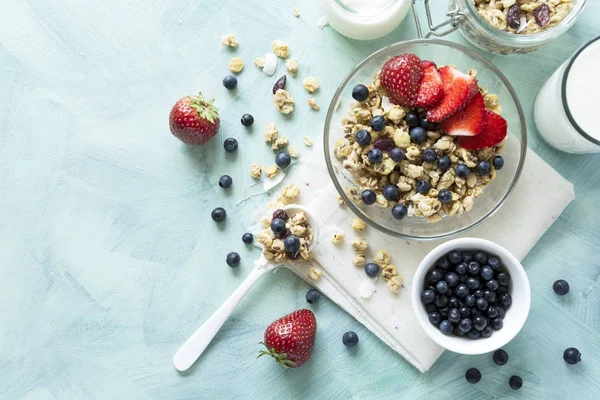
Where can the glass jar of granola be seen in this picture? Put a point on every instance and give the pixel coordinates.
(506, 26)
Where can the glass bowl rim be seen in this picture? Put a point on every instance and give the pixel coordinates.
(391, 48)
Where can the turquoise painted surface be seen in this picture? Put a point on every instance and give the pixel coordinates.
(109, 259)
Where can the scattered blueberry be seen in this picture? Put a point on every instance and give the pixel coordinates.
(283, 159)
(378, 123)
(418, 135)
(247, 120)
(428, 296)
(486, 273)
(429, 155)
(350, 339)
(435, 318)
(371, 269)
(498, 162)
(412, 120)
(248, 238)
(515, 382)
(496, 324)
(368, 197)
(561, 287)
(230, 145)
(445, 196)
(397, 154)
(481, 303)
(500, 357)
(473, 268)
(441, 287)
(473, 375)
(399, 211)
(428, 126)
(434, 276)
(572, 356)
(391, 192)
(451, 279)
(461, 290)
(446, 327)
(218, 214)
(360, 93)
(225, 181)
(291, 244)
(455, 257)
(494, 262)
(454, 315)
(233, 259)
(465, 325)
(230, 82)
(362, 137)
(375, 156)
(444, 163)
(483, 167)
(278, 226)
(313, 295)
(423, 187)
(470, 300)
(462, 170)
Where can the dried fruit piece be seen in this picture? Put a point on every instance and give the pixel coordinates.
(542, 15)
(384, 143)
(468, 122)
(280, 84)
(513, 17)
(494, 132)
(431, 90)
(279, 213)
(401, 76)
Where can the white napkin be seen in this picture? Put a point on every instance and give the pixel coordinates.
(538, 199)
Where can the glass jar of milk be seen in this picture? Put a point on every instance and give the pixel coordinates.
(365, 19)
(566, 110)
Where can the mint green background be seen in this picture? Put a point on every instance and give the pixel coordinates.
(109, 259)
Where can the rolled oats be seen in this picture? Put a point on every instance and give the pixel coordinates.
(358, 224)
(259, 62)
(229, 41)
(382, 258)
(292, 66)
(395, 283)
(236, 65)
(359, 260)
(293, 152)
(311, 84)
(280, 49)
(271, 170)
(315, 273)
(337, 238)
(307, 141)
(284, 101)
(271, 132)
(255, 171)
(388, 272)
(312, 103)
(360, 246)
(279, 143)
(296, 13)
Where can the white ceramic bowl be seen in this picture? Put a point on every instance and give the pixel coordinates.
(515, 317)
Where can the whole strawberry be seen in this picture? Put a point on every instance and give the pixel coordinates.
(290, 339)
(401, 76)
(194, 120)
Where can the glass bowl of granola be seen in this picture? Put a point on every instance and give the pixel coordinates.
(431, 170)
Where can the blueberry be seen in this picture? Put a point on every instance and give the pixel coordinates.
(429, 155)
(233, 259)
(225, 181)
(368, 197)
(443, 263)
(441, 301)
(515, 382)
(572, 356)
(291, 244)
(479, 323)
(378, 123)
(494, 262)
(230, 145)
(247, 238)
(465, 312)
(423, 187)
(247, 120)
(492, 284)
(441, 287)
(399, 211)
(467, 257)
(489, 295)
(445, 196)
(496, 324)
(313, 295)
(470, 300)
(473, 268)
(444, 163)
(283, 159)
(461, 290)
(473, 375)
(503, 278)
(446, 327)
(434, 276)
(360, 93)
(418, 135)
(451, 279)
(278, 226)
(501, 290)
(428, 126)
(454, 302)
(561, 287)
(412, 120)
(453, 315)
(475, 312)
(506, 299)
(397, 154)
(458, 332)
(362, 137)
(230, 82)
(462, 170)
(435, 318)
(431, 307)
(480, 257)
(498, 162)
(487, 332)
(492, 312)
(455, 257)
(472, 282)
(371, 269)
(483, 167)
(481, 303)
(478, 293)
(350, 339)
(486, 273)
(474, 334)
(500, 357)
(444, 311)
(218, 214)
(375, 156)
(465, 325)
(391, 192)
(461, 269)
(501, 312)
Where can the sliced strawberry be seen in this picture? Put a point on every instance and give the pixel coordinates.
(494, 132)
(431, 90)
(459, 89)
(401, 76)
(469, 121)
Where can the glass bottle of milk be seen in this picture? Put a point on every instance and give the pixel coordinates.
(566, 110)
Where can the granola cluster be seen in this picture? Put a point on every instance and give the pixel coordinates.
(407, 173)
(524, 16)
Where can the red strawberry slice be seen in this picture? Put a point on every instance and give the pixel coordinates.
(401, 76)
(431, 90)
(494, 132)
(459, 89)
(469, 121)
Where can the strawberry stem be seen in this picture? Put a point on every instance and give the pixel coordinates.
(281, 358)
